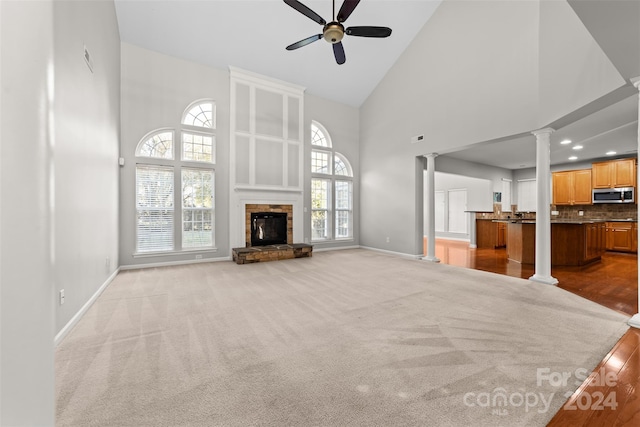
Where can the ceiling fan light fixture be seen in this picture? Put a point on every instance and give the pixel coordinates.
(333, 32)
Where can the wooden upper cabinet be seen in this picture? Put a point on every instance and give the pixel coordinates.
(562, 184)
(615, 173)
(572, 187)
(601, 175)
(624, 173)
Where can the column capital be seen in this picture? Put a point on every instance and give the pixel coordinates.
(543, 131)
(636, 82)
(433, 155)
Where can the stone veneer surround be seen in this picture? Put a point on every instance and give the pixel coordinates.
(252, 208)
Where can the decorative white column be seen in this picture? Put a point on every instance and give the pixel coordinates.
(635, 320)
(543, 201)
(431, 208)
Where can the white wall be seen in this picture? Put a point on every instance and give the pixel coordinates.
(87, 144)
(26, 279)
(573, 69)
(479, 197)
(156, 89)
(471, 75)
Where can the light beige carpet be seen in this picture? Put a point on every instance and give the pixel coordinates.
(346, 338)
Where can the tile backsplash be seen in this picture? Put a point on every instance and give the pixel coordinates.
(600, 211)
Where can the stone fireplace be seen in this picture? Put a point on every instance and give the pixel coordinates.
(262, 211)
(269, 235)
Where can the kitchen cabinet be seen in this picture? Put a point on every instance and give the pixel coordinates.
(572, 187)
(490, 234)
(621, 237)
(577, 243)
(614, 173)
(572, 242)
(596, 239)
(521, 241)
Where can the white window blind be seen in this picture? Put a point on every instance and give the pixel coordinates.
(344, 210)
(154, 208)
(506, 195)
(320, 196)
(197, 208)
(527, 190)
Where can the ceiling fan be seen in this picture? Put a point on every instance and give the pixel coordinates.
(334, 31)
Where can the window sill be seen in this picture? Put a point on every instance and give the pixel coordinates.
(175, 253)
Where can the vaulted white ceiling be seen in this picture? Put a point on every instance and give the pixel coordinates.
(253, 34)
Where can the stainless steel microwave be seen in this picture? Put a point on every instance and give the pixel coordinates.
(614, 195)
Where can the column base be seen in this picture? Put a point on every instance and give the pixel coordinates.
(547, 280)
(634, 322)
(431, 259)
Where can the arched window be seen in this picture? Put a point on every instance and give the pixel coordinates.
(200, 114)
(165, 216)
(158, 144)
(331, 189)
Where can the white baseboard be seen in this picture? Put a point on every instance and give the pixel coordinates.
(170, 263)
(334, 248)
(634, 322)
(399, 254)
(76, 318)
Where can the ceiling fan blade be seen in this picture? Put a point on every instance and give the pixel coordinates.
(304, 42)
(338, 52)
(368, 31)
(306, 11)
(347, 8)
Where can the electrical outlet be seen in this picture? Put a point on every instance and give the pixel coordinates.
(107, 265)
(555, 213)
(61, 296)
(388, 239)
(198, 256)
(580, 213)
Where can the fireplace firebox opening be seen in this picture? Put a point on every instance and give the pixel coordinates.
(268, 228)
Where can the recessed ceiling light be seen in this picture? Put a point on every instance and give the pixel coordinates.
(565, 141)
(577, 147)
(610, 153)
(573, 158)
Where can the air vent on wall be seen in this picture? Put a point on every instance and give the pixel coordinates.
(417, 138)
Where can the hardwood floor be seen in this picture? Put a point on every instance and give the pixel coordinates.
(610, 396)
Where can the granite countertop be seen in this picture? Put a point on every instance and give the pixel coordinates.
(563, 220)
(554, 221)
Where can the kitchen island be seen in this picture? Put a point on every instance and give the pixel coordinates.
(573, 242)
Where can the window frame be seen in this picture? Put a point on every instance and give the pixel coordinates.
(332, 216)
(178, 165)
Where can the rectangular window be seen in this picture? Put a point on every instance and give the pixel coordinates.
(198, 148)
(506, 195)
(527, 195)
(320, 162)
(154, 208)
(320, 196)
(197, 208)
(344, 209)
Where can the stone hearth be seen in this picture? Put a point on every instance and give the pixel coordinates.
(250, 254)
(271, 253)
